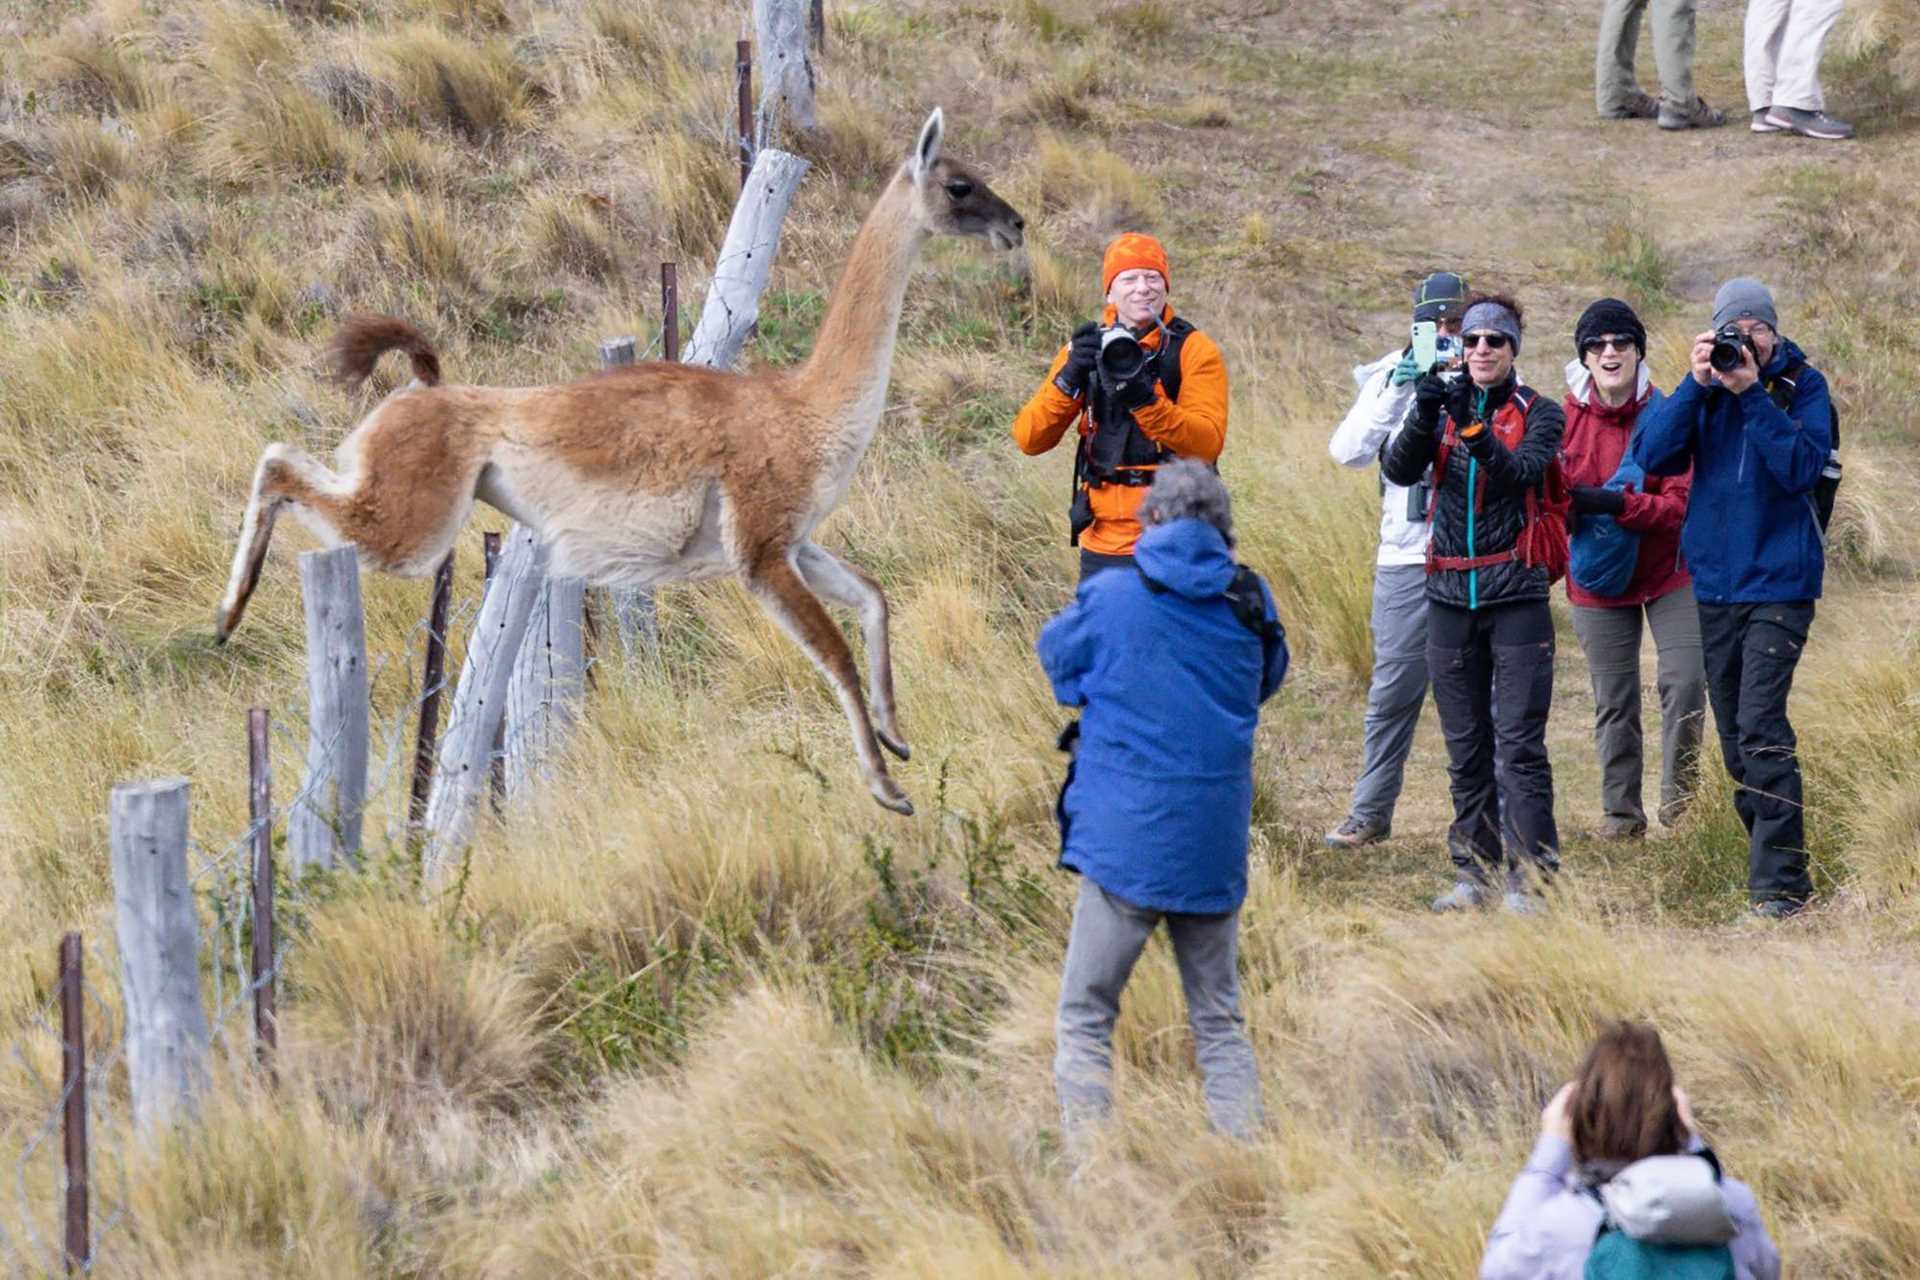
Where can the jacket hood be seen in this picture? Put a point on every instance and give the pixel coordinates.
(1186, 556)
(1669, 1200)
(1784, 354)
(1580, 386)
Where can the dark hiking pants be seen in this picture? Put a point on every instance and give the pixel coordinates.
(1750, 652)
(1492, 674)
(1092, 562)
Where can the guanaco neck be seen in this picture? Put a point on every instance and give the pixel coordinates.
(846, 375)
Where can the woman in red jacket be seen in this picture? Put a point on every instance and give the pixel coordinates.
(1608, 387)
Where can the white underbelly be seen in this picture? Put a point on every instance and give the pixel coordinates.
(614, 537)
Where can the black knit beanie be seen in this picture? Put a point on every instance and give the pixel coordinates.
(1609, 315)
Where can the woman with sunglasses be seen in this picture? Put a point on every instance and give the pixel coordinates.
(1608, 385)
(1491, 441)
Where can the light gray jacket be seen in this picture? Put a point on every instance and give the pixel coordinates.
(1548, 1224)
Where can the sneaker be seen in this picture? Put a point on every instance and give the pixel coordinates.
(1464, 896)
(1697, 116)
(1354, 832)
(1620, 829)
(1809, 124)
(1637, 106)
(1518, 899)
(1779, 908)
(1763, 125)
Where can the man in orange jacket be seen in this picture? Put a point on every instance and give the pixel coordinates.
(1177, 408)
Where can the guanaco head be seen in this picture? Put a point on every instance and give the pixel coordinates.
(951, 199)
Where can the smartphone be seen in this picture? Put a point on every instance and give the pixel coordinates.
(1426, 341)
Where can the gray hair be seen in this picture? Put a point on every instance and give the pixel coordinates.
(1187, 490)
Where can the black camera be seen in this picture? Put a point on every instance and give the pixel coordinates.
(1728, 343)
(1122, 358)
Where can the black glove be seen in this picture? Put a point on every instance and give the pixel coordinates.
(1593, 500)
(1134, 393)
(1083, 349)
(1430, 391)
(1460, 396)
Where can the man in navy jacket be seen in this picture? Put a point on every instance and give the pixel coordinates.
(1170, 662)
(1754, 543)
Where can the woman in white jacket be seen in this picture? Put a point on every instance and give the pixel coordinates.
(1604, 1165)
(1399, 620)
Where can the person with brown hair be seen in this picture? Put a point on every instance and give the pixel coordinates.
(1620, 1178)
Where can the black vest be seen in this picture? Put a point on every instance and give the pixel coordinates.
(1117, 440)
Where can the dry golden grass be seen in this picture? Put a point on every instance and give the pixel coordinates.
(700, 1009)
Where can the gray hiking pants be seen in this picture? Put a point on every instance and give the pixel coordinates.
(1613, 78)
(1611, 638)
(1398, 691)
(1108, 936)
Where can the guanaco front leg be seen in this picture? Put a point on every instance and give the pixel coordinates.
(777, 585)
(842, 584)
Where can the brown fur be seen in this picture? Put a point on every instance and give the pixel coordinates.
(364, 338)
(644, 443)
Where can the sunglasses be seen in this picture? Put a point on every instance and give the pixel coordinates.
(1493, 341)
(1620, 345)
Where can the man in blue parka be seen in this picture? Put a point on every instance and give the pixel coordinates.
(1759, 437)
(1169, 662)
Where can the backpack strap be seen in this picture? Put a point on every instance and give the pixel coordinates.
(1169, 361)
(1243, 594)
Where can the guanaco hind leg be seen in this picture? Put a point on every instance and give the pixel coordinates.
(843, 584)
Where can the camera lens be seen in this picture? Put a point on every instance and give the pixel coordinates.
(1725, 357)
(1120, 356)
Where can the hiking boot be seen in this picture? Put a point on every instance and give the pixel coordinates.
(1619, 829)
(1779, 908)
(1763, 125)
(1809, 124)
(1637, 106)
(1354, 832)
(1697, 116)
(1519, 899)
(1464, 896)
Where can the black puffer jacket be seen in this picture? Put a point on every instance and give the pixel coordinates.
(1509, 474)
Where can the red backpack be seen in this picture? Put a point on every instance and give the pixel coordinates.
(1543, 536)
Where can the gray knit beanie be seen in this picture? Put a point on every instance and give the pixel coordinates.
(1487, 314)
(1744, 298)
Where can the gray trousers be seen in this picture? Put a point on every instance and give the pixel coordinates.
(1611, 638)
(1108, 936)
(1613, 77)
(1398, 691)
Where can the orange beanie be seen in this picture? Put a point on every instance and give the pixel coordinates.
(1130, 252)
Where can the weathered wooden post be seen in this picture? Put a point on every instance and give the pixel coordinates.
(746, 259)
(323, 823)
(266, 1030)
(786, 82)
(632, 606)
(480, 699)
(549, 676)
(743, 82)
(159, 936)
(73, 1094)
(432, 680)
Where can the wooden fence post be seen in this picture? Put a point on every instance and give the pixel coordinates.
(786, 82)
(73, 1092)
(743, 81)
(549, 675)
(432, 680)
(480, 699)
(632, 606)
(323, 824)
(159, 936)
(266, 1030)
(746, 259)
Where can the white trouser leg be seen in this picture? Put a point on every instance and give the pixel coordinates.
(1766, 25)
(1797, 77)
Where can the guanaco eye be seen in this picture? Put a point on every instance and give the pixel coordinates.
(959, 188)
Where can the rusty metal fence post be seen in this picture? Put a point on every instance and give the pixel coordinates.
(743, 81)
(817, 24)
(432, 681)
(73, 1089)
(669, 313)
(497, 771)
(260, 811)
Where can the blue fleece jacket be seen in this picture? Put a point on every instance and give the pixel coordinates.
(1171, 684)
(1751, 536)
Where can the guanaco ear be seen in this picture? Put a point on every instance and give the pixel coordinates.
(926, 152)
